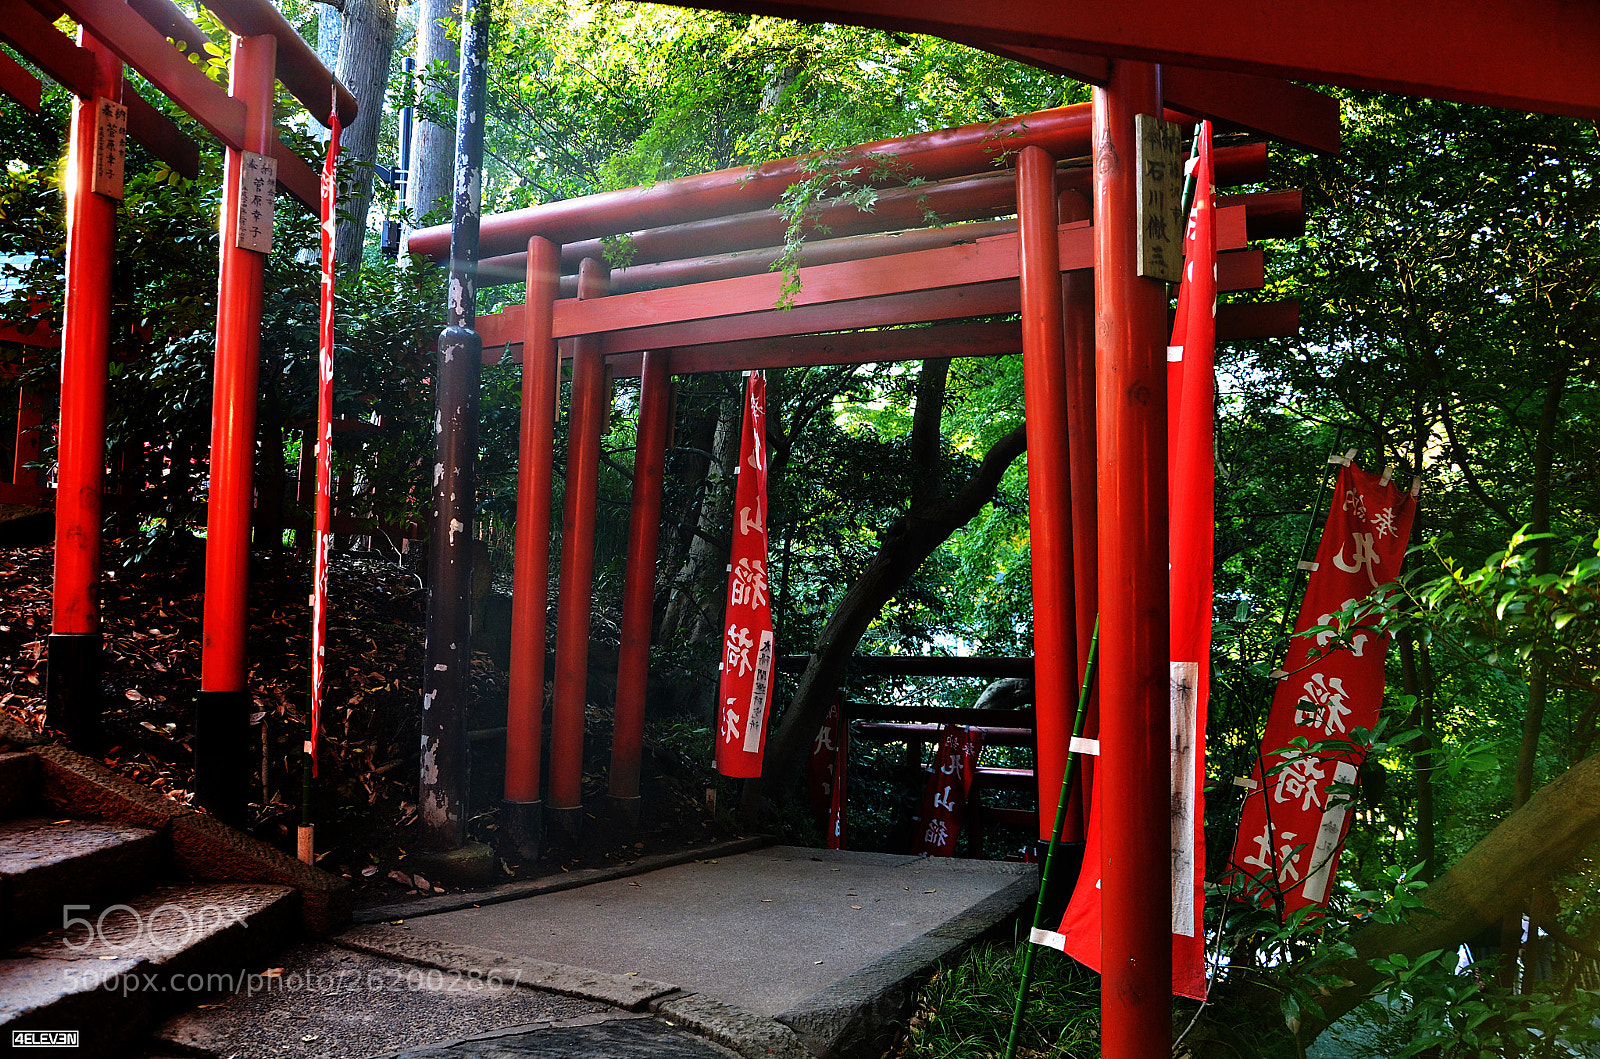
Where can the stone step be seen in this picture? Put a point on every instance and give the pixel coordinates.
(48, 864)
(19, 783)
(116, 967)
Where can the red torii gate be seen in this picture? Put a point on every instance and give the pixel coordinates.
(669, 314)
(1530, 55)
(266, 49)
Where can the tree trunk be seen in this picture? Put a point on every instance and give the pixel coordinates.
(365, 49)
(1491, 879)
(933, 516)
(330, 27)
(428, 187)
(695, 611)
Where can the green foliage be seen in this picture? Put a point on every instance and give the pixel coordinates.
(964, 1012)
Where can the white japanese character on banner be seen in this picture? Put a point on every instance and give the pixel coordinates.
(747, 523)
(944, 800)
(1366, 558)
(824, 741)
(1287, 870)
(736, 650)
(1354, 501)
(1324, 706)
(1358, 642)
(1298, 779)
(749, 583)
(938, 834)
(1383, 523)
(729, 728)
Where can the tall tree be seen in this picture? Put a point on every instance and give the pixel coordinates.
(438, 58)
(366, 47)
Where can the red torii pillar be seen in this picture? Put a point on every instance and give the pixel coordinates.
(530, 591)
(1055, 645)
(73, 673)
(638, 594)
(573, 606)
(1077, 300)
(1131, 403)
(222, 719)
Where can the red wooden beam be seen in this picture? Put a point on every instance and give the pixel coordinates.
(157, 132)
(931, 155)
(967, 198)
(986, 260)
(145, 49)
(1520, 54)
(1270, 106)
(301, 72)
(19, 84)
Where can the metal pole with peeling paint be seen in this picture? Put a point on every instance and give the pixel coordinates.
(447, 658)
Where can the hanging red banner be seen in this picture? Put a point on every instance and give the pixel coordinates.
(323, 528)
(825, 776)
(748, 651)
(1191, 529)
(1297, 813)
(944, 803)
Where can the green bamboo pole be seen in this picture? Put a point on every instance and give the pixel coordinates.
(1055, 837)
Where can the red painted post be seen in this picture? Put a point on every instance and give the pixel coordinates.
(30, 436)
(638, 594)
(1131, 400)
(524, 810)
(577, 568)
(221, 722)
(1055, 650)
(73, 674)
(1077, 301)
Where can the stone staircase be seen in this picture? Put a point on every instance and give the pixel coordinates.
(118, 905)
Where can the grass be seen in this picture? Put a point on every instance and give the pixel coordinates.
(964, 1012)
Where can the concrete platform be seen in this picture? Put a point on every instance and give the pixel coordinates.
(827, 944)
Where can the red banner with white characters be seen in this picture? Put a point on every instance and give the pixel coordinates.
(748, 651)
(825, 775)
(324, 504)
(944, 803)
(1297, 814)
(1190, 472)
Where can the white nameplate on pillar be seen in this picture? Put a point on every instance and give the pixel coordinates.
(258, 193)
(1161, 221)
(110, 145)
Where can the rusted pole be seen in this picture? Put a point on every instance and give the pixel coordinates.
(447, 658)
(577, 569)
(523, 811)
(1131, 406)
(1055, 646)
(1077, 301)
(222, 719)
(72, 676)
(638, 594)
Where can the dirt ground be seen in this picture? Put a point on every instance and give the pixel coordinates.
(364, 801)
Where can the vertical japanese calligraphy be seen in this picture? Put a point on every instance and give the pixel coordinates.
(110, 147)
(748, 650)
(258, 194)
(1332, 684)
(944, 803)
(1161, 229)
(825, 775)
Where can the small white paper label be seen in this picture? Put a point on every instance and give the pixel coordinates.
(258, 194)
(110, 146)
